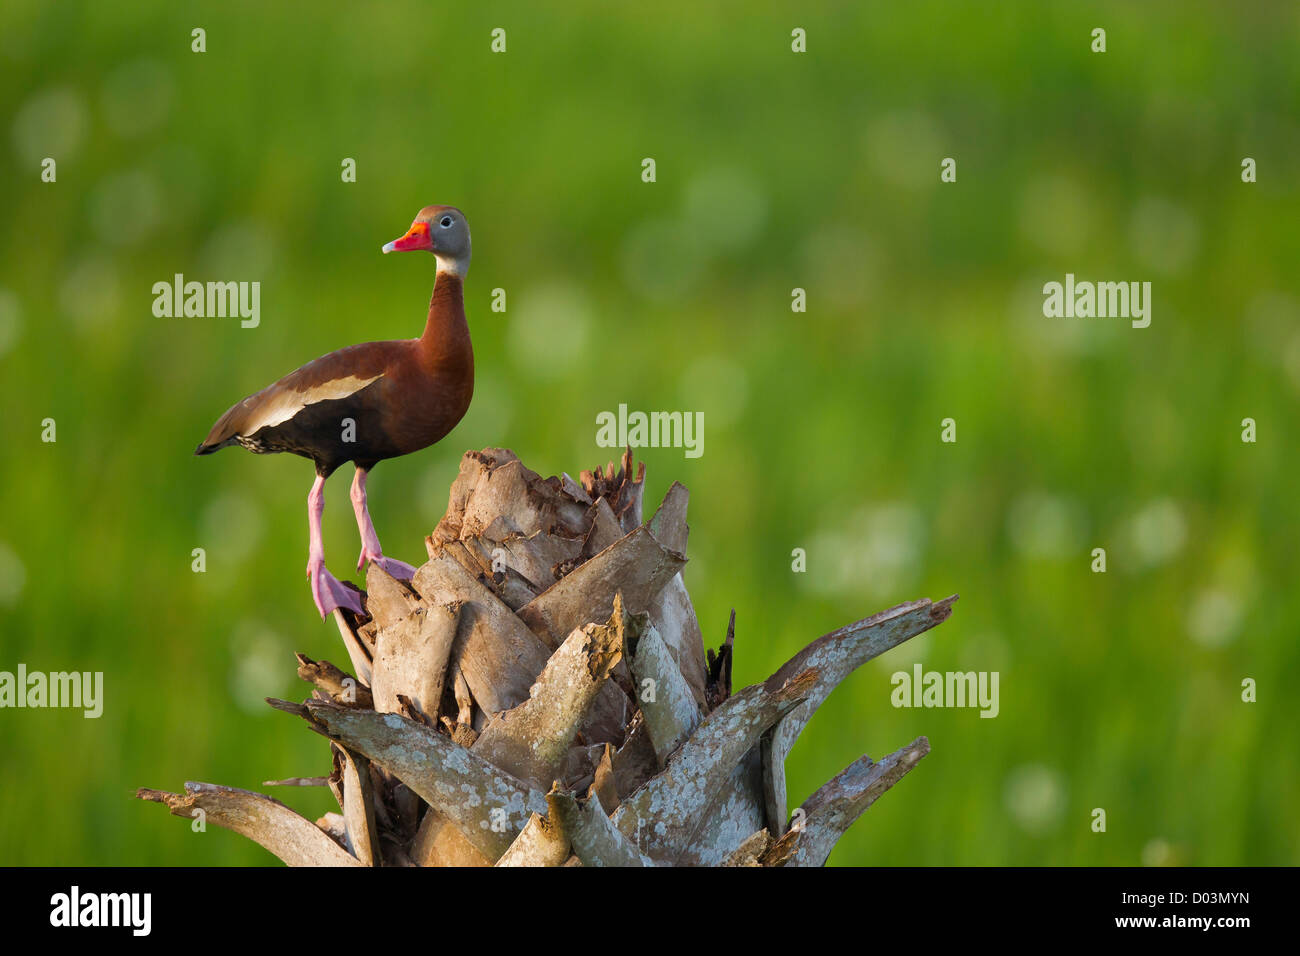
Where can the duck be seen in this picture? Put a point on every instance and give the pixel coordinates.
(367, 403)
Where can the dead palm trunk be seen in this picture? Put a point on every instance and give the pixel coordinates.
(539, 695)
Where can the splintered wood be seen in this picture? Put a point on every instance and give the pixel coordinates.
(539, 694)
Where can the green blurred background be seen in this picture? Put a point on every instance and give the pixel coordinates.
(774, 171)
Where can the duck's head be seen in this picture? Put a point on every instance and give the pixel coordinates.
(441, 230)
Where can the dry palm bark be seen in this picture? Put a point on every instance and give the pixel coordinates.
(539, 695)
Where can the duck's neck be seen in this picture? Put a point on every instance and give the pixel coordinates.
(446, 333)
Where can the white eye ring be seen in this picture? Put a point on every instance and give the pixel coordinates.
(445, 222)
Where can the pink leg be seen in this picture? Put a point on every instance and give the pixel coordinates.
(326, 590)
(370, 549)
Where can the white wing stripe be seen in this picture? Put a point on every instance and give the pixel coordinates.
(289, 404)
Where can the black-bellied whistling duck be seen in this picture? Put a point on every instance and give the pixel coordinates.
(369, 402)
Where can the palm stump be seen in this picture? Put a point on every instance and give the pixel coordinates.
(539, 695)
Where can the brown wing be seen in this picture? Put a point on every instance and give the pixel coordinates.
(331, 377)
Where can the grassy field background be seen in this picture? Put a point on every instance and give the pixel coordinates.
(775, 171)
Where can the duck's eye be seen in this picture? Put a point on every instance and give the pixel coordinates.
(446, 222)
